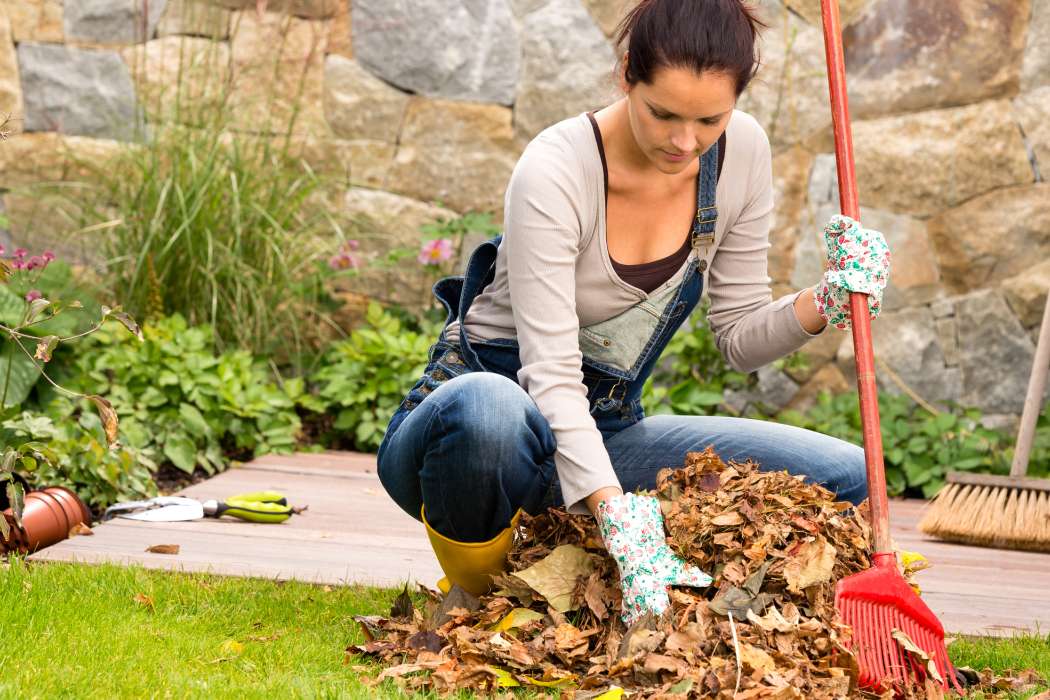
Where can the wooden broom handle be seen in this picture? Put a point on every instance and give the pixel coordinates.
(1033, 401)
(858, 303)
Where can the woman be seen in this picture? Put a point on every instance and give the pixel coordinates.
(615, 223)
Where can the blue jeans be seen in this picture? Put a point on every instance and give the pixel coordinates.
(477, 449)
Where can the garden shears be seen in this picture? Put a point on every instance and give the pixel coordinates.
(256, 507)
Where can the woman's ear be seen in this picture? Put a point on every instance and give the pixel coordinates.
(625, 87)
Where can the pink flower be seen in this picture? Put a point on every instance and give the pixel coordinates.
(21, 252)
(2, 250)
(33, 295)
(346, 259)
(48, 256)
(436, 251)
(35, 262)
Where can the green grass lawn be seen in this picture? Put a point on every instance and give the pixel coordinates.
(109, 631)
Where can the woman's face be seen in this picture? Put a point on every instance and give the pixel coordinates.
(679, 115)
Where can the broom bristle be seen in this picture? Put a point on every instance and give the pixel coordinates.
(990, 516)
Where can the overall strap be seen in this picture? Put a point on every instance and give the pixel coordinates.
(481, 270)
(703, 232)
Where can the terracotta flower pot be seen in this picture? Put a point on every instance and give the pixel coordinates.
(47, 518)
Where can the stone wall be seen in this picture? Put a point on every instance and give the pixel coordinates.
(423, 106)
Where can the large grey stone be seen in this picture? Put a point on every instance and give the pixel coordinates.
(1033, 114)
(995, 354)
(567, 67)
(992, 237)
(464, 49)
(77, 91)
(358, 105)
(1036, 68)
(921, 163)
(908, 344)
(789, 96)
(111, 21)
(904, 55)
(458, 153)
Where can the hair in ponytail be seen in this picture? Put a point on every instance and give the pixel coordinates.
(701, 35)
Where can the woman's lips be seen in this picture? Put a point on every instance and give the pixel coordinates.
(673, 157)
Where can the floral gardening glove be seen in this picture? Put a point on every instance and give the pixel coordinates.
(633, 530)
(859, 261)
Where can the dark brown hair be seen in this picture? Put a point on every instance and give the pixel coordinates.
(701, 35)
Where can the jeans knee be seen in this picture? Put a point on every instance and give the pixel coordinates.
(491, 418)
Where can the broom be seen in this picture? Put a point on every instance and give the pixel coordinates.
(1010, 512)
(878, 604)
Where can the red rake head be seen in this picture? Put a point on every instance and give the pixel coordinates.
(875, 603)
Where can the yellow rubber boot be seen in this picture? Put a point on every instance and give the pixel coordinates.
(470, 564)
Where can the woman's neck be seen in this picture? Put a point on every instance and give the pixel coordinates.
(621, 149)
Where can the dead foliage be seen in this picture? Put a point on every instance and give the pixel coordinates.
(766, 628)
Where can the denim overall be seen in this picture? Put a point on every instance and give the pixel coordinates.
(618, 354)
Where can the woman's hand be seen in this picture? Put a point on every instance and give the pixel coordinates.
(633, 530)
(858, 261)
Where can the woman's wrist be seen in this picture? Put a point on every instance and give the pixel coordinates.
(600, 495)
(806, 312)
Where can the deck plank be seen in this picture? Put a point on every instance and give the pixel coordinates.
(352, 532)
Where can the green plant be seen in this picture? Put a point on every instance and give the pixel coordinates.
(919, 448)
(223, 229)
(180, 402)
(365, 376)
(28, 319)
(72, 450)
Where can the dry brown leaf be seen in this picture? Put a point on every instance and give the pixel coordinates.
(144, 600)
(554, 577)
(108, 416)
(163, 548)
(756, 658)
(812, 564)
(80, 529)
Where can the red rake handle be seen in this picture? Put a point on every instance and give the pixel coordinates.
(858, 303)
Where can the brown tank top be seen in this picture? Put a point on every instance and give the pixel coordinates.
(648, 276)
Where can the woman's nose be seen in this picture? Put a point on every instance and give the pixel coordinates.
(684, 141)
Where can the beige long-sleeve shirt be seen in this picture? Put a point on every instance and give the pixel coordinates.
(554, 276)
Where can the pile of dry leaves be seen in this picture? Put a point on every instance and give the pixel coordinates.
(766, 628)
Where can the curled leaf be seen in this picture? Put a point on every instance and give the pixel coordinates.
(128, 322)
(108, 416)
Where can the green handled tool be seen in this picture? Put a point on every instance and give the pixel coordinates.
(256, 507)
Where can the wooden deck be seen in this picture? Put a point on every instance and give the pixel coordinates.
(353, 533)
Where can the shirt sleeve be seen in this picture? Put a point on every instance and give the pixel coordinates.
(751, 329)
(543, 235)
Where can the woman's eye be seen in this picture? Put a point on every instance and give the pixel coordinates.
(661, 115)
(711, 122)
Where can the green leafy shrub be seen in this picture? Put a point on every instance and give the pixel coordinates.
(919, 448)
(180, 402)
(73, 452)
(364, 377)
